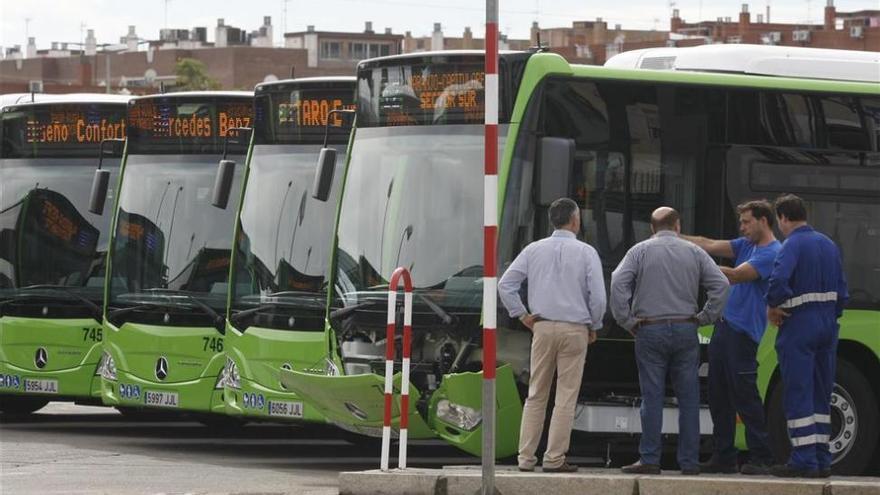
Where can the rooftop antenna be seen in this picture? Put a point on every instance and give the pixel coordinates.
(166, 13)
(284, 18)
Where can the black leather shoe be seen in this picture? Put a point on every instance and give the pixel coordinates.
(786, 471)
(825, 473)
(712, 467)
(563, 468)
(754, 469)
(639, 468)
(526, 470)
(691, 471)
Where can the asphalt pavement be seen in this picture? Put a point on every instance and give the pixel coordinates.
(68, 449)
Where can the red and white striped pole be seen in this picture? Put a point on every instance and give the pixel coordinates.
(490, 232)
(389, 367)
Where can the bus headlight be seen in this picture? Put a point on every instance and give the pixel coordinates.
(464, 417)
(106, 367)
(229, 376)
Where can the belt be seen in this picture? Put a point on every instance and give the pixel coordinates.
(666, 321)
(808, 298)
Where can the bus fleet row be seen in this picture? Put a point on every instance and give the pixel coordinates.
(230, 257)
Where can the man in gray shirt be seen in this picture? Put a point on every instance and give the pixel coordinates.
(654, 295)
(566, 292)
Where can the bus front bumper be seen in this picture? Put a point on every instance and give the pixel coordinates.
(199, 395)
(255, 401)
(73, 384)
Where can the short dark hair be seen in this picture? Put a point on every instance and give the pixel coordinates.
(759, 208)
(561, 212)
(666, 221)
(791, 207)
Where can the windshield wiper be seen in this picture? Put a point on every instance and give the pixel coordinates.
(447, 318)
(112, 315)
(66, 290)
(218, 321)
(442, 313)
(347, 310)
(236, 318)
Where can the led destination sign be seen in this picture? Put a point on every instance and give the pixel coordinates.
(298, 112)
(419, 93)
(187, 124)
(60, 130)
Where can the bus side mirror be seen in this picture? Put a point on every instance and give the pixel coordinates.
(556, 159)
(223, 183)
(98, 194)
(324, 174)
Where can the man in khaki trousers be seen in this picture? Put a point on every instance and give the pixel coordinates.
(566, 296)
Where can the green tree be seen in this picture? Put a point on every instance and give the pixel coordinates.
(192, 75)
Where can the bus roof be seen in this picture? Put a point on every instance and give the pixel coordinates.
(766, 60)
(439, 53)
(306, 81)
(19, 99)
(200, 94)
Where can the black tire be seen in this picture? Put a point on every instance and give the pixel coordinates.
(14, 404)
(854, 404)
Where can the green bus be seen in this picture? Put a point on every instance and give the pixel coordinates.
(620, 143)
(168, 263)
(282, 243)
(52, 249)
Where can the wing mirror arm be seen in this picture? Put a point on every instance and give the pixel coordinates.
(225, 171)
(326, 161)
(101, 179)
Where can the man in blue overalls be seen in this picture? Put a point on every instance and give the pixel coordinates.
(806, 296)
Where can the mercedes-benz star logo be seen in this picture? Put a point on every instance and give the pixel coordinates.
(41, 358)
(162, 368)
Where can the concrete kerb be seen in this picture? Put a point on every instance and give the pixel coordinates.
(509, 481)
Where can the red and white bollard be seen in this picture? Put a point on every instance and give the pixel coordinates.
(389, 366)
(490, 233)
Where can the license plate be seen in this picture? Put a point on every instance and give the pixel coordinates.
(161, 399)
(286, 409)
(41, 386)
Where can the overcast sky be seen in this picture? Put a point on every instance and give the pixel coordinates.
(66, 20)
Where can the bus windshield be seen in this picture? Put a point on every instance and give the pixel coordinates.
(285, 235)
(51, 246)
(170, 242)
(168, 235)
(413, 198)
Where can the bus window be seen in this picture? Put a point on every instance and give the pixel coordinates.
(788, 119)
(853, 226)
(871, 111)
(843, 124)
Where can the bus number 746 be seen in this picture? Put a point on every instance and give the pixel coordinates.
(215, 344)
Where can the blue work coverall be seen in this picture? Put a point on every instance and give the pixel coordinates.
(808, 282)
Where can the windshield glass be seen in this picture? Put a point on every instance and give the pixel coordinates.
(414, 198)
(284, 234)
(47, 234)
(168, 234)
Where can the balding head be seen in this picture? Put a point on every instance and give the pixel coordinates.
(665, 218)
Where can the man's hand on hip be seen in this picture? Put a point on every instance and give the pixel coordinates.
(528, 320)
(776, 316)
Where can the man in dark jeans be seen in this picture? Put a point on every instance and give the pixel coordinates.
(733, 365)
(654, 295)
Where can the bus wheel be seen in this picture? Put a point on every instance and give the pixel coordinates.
(854, 421)
(11, 404)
